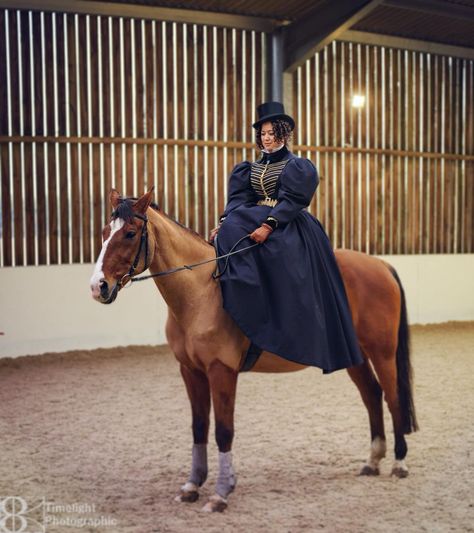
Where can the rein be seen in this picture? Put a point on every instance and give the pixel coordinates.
(144, 241)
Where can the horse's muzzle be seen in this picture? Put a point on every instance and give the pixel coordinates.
(105, 295)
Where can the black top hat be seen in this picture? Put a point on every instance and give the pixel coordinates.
(269, 111)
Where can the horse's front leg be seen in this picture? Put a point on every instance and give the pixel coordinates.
(197, 386)
(223, 382)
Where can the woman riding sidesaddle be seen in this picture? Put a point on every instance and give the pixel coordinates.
(287, 294)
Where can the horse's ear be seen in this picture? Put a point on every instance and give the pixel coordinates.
(114, 198)
(143, 203)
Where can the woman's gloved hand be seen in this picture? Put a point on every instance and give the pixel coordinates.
(262, 233)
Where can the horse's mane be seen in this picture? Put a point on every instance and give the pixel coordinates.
(125, 211)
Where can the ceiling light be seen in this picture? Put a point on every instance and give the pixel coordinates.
(358, 100)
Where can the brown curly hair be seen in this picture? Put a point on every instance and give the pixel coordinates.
(281, 129)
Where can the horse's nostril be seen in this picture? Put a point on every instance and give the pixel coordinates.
(104, 288)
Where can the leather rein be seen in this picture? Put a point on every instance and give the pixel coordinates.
(124, 282)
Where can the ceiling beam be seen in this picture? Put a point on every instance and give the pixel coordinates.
(188, 16)
(322, 25)
(433, 7)
(389, 41)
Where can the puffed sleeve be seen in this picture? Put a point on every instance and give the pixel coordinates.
(239, 191)
(299, 181)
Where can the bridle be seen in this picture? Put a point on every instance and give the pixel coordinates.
(143, 242)
(128, 277)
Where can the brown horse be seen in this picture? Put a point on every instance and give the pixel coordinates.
(210, 347)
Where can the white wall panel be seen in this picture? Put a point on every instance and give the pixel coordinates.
(49, 309)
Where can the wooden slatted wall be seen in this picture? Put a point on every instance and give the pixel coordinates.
(398, 172)
(89, 103)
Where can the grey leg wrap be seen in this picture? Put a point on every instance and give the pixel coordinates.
(199, 465)
(226, 480)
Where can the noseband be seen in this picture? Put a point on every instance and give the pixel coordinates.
(143, 242)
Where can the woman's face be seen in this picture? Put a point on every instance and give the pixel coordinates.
(267, 136)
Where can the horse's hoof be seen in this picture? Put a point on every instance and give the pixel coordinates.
(399, 469)
(189, 493)
(187, 497)
(216, 504)
(369, 471)
(399, 472)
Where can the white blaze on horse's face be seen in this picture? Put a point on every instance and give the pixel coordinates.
(98, 275)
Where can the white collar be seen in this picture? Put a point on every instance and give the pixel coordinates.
(276, 149)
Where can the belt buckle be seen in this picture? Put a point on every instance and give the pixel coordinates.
(270, 202)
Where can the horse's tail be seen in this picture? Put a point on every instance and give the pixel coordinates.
(404, 369)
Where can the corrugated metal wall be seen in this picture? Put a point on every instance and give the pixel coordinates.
(88, 103)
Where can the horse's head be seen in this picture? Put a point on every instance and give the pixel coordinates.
(126, 249)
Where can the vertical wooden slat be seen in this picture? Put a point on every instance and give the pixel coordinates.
(21, 131)
(174, 179)
(129, 84)
(143, 107)
(12, 106)
(164, 72)
(67, 211)
(411, 196)
(449, 182)
(325, 119)
(428, 125)
(195, 189)
(100, 174)
(78, 152)
(4, 192)
(4, 44)
(225, 127)
(420, 147)
(391, 220)
(368, 176)
(462, 164)
(112, 89)
(83, 149)
(383, 197)
(205, 125)
(335, 192)
(344, 183)
(56, 152)
(132, 82)
(470, 165)
(374, 141)
(457, 147)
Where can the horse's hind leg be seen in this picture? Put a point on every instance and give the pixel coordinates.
(371, 393)
(197, 386)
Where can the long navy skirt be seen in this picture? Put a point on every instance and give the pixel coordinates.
(287, 294)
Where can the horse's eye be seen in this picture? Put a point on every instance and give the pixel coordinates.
(130, 235)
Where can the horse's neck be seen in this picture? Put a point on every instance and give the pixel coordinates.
(176, 246)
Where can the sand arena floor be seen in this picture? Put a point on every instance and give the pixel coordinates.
(109, 430)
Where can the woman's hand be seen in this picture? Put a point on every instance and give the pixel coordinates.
(214, 233)
(262, 233)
